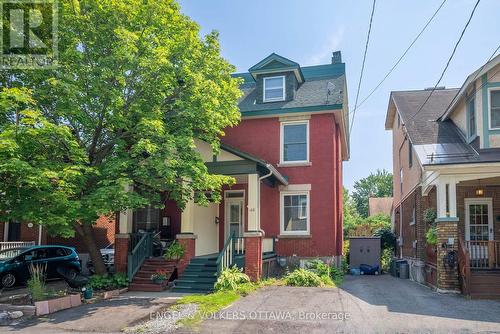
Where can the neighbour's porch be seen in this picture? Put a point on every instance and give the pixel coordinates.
(468, 229)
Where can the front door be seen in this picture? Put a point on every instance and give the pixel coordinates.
(234, 213)
(478, 228)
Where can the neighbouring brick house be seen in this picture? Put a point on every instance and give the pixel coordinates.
(286, 156)
(104, 232)
(446, 157)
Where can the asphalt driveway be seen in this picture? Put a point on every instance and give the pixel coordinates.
(363, 304)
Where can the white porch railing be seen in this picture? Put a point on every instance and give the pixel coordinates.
(14, 244)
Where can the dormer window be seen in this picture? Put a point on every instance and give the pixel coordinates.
(274, 89)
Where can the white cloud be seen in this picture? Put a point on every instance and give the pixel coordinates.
(325, 53)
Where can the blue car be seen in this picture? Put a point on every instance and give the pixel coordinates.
(15, 262)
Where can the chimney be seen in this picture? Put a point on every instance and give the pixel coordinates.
(336, 57)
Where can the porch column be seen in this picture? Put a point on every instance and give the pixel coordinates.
(122, 240)
(187, 238)
(447, 234)
(122, 237)
(253, 235)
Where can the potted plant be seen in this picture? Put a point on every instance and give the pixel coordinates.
(174, 252)
(159, 276)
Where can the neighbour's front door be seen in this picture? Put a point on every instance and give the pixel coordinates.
(478, 228)
(234, 214)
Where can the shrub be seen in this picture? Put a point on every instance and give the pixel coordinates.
(302, 277)
(385, 259)
(387, 238)
(36, 283)
(230, 279)
(108, 282)
(174, 252)
(318, 267)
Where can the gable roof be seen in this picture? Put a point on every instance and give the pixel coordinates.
(276, 63)
(422, 128)
(323, 88)
(377, 205)
(469, 81)
(434, 141)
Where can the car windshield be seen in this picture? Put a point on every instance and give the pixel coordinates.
(8, 254)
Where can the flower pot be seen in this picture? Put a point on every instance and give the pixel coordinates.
(158, 281)
(88, 293)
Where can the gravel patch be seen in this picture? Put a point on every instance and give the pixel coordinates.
(164, 321)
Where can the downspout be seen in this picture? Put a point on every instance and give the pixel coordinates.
(39, 235)
(258, 193)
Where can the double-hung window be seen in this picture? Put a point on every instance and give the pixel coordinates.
(295, 142)
(295, 213)
(471, 118)
(274, 89)
(495, 108)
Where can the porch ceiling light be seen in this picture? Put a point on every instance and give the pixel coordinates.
(479, 192)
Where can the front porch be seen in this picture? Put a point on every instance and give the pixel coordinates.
(468, 230)
(230, 229)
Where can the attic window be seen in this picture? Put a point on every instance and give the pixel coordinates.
(274, 89)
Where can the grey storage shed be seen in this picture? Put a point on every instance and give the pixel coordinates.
(364, 250)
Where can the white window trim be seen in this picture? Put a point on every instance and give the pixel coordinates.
(274, 99)
(227, 201)
(413, 216)
(282, 142)
(489, 107)
(234, 191)
(282, 212)
(486, 200)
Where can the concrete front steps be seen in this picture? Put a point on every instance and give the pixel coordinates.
(199, 276)
(485, 284)
(142, 279)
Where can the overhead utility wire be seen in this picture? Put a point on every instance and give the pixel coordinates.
(449, 61)
(403, 55)
(362, 66)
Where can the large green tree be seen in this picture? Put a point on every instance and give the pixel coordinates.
(135, 86)
(378, 184)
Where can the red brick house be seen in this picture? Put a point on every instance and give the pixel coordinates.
(286, 156)
(446, 157)
(11, 232)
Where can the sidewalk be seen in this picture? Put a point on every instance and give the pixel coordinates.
(106, 316)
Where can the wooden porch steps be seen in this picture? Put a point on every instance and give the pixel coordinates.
(199, 276)
(485, 284)
(142, 279)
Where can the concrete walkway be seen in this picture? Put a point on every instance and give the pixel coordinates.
(107, 316)
(368, 304)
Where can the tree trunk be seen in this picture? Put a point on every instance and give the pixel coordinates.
(87, 233)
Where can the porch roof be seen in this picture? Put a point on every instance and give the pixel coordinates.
(249, 165)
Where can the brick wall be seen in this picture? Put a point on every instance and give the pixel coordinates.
(104, 233)
(447, 276)
(253, 257)
(189, 244)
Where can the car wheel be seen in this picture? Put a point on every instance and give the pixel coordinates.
(8, 280)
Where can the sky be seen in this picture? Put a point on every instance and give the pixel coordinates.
(309, 31)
